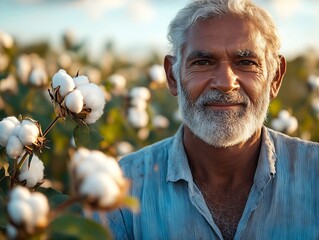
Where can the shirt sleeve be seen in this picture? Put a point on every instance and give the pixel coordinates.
(115, 222)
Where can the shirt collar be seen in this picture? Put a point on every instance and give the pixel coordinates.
(178, 167)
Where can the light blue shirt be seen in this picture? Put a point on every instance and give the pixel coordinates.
(283, 202)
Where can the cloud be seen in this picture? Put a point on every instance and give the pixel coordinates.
(97, 8)
(141, 11)
(285, 8)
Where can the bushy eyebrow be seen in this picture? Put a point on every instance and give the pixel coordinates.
(245, 53)
(199, 54)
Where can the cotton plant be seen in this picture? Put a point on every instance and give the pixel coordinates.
(28, 213)
(118, 83)
(9, 84)
(98, 180)
(77, 98)
(285, 122)
(157, 75)
(137, 112)
(6, 41)
(313, 82)
(160, 122)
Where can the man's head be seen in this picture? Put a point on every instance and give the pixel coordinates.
(225, 68)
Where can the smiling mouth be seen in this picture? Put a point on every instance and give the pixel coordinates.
(224, 106)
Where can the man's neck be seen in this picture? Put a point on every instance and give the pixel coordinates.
(223, 168)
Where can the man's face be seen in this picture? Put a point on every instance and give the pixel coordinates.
(224, 91)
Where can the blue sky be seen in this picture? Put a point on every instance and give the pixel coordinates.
(139, 24)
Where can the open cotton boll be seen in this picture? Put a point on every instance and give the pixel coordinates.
(157, 74)
(64, 80)
(138, 103)
(140, 92)
(38, 77)
(20, 192)
(84, 169)
(278, 124)
(14, 147)
(160, 121)
(7, 126)
(28, 133)
(40, 207)
(74, 101)
(284, 115)
(137, 118)
(80, 80)
(123, 148)
(32, 175)
(79, 156)
(19, 211)
(292, 125)
(100, 187)
(11, 231)
(93, 99)
(118, 81)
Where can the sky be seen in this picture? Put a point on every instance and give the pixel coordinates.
(139, 25)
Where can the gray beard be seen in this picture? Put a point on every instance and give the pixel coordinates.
(223, 128)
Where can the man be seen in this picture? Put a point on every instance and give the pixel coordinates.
(223, 175)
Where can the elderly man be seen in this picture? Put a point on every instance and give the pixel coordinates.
(223, 175)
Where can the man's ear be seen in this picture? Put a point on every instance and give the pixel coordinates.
(276, 82)
(168, 66)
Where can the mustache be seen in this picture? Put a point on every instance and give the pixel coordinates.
(216, 96)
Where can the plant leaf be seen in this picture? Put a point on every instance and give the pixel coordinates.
(75, 227)
(85, 136)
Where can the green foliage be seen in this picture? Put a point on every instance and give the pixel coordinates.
(77, 228)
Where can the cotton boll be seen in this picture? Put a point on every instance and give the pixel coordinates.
(140, 92)
(14, 147)
(74, 101)
(123, 148)
(278, 124)
(138, 103)
(292, 125)
(20, 193)
(118, 81)
(32, 175)
(6, 40)
(157, 74)
(11, 231)
(38, 77)
(80, 80)
(284, 115)
(143, 133)
(100, 187)
(9, 84)
(40, 207)
(19, 211)
(6, 130)
(85, 169)
(23, 67)
(64, 80)
(79, 156)
(28, 133)
(14, 120)
(137, 118)
(93, 99)
(313, 82)
(160, 121)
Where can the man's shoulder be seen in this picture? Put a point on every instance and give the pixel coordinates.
(293, 143)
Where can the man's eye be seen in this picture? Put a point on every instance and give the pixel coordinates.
(247, 63)
(201, 62)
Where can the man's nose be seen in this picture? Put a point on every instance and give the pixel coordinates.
(224, 78)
